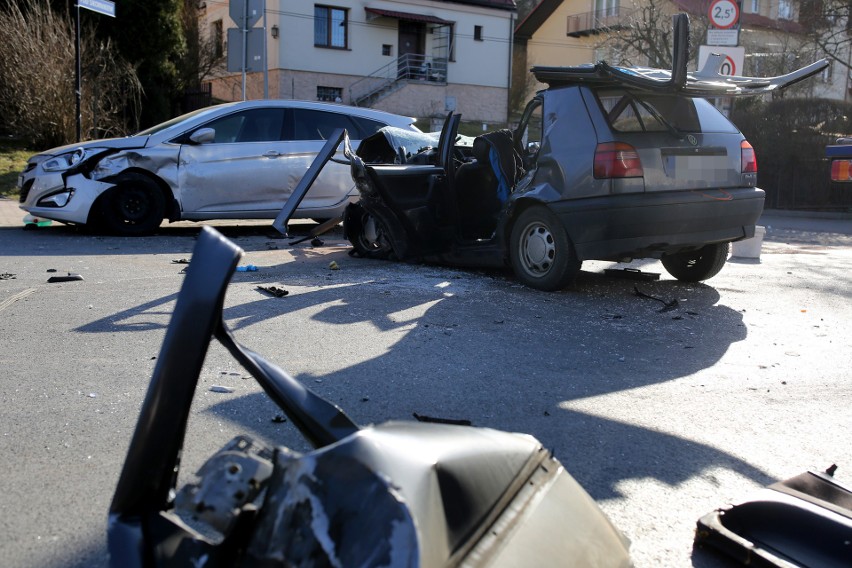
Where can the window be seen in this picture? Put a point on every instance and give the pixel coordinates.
(320, 125)
(218, 36)
(387, 49)
(330, 94)
(477, 33)
(827, 73)
(649, 113)
(258, 125)
(755, 7)
(785, 10)
(330, 27)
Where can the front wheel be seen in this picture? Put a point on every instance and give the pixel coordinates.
(135, 206)
(367, 234)
(697, 265)
(541, 252)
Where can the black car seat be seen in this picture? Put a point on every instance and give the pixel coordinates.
(484, 185)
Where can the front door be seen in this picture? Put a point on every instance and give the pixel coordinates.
(412, 48)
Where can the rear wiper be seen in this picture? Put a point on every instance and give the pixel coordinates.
(673, 130)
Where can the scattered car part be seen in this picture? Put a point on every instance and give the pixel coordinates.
(273, 291)
(69, 278)
(840, 155)
(804, 521)
(364, 497)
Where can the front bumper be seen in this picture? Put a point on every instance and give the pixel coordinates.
(38, 189)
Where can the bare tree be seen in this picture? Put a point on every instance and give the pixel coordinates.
(829, 28)
(37, 79)
(641, 35)
(202, 52)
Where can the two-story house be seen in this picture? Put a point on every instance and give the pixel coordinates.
(571, 32)
(416, 58)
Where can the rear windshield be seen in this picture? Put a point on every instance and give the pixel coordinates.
(643, 112)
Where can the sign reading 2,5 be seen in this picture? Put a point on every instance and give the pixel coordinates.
(724, 14)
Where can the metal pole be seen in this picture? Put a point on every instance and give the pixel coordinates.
(265, 56)
(245, 44)
(78, 86)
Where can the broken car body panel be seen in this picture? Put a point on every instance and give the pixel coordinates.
(802, 521)
(397, 494)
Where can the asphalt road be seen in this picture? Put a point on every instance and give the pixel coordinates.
(661, 415)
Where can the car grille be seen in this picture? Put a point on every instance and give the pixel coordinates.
(25, 190)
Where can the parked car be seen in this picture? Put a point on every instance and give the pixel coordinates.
(231, 161)
(607, 163)
(840, 156)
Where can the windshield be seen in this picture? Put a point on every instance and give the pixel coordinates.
(169, 123)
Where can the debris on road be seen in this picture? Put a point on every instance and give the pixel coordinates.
(7, 276)
(274, 291)
(631, 274)
(333, 265)
(70, 278)
(667, 306)
(180, 261)
(433, 420)
(247, 268)
(220, 388)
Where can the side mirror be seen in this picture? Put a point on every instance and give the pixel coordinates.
(203, 136)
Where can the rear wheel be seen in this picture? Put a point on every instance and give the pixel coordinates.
(367, 234)
(541, 253)
(697, 265)
(135, 206)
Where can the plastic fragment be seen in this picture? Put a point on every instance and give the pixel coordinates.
(70, 278)
(333, 265)
(277, 292)
(220, 388)
(247, 268)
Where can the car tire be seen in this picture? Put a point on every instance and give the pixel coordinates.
(135, 206)
(368, 235)
(541, 252)
(697, 265)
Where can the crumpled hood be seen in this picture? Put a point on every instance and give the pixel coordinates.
(117, 143)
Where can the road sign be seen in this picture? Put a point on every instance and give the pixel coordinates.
(724, 14)
(722, 37)
(238, 11)
(105, 7)
(733, 58)
(254, 48)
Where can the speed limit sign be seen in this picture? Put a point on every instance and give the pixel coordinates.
(724, 14)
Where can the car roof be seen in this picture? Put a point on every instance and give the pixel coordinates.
(707, 82)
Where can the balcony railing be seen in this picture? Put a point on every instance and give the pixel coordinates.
(589, 23)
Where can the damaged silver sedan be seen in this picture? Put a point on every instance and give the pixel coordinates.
(232, 161)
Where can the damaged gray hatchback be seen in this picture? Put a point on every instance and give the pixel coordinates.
(607, 163)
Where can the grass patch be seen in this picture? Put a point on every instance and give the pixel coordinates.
(13, 158)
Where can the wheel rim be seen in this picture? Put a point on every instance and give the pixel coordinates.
(134, 204)
(537, 249)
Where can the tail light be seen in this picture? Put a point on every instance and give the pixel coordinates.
(841, 170)
(617, 160)
(749, 160)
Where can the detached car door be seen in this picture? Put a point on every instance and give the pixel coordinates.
(241, 172)
(306, 131)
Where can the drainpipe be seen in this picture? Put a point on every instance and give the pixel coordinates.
(511, 53)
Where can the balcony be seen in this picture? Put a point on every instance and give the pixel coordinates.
(590, 23)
